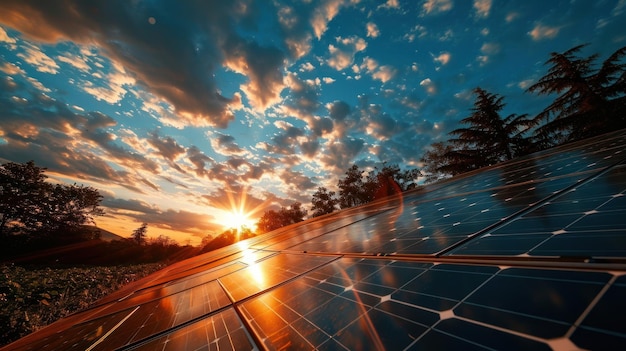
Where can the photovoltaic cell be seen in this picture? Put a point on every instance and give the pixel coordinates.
(222, 331)
(527, 254)
(586, 221)
(268, 273)
(376, 302)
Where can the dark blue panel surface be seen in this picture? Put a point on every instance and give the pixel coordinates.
(586, 221)
(525, 255)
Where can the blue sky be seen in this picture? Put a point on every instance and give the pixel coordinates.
(179, 111)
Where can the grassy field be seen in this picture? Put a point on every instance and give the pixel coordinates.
(31, 298)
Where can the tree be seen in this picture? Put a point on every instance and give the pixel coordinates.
(69, 206)
(21, 185)
(139, 234)
(272, 220)
(324, 202)
(591, 101)
(351, 190)
(29, 204)
(488, 139)
(437, 162)
(404, 180)
(162, 240)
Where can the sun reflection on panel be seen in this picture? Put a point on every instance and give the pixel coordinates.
(257, 274)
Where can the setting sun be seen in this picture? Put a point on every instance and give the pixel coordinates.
(236, 220)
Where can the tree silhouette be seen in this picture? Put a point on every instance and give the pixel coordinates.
(272, 220)
(488, 139)
(404, 180)
(139, 234)
(351, 190)
(437, 162)
(324, 202)
(22, 185)
(29, 204)
(355, 189)
(591, 101)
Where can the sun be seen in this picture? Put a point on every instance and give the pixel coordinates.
(233, 210)
(237, 219)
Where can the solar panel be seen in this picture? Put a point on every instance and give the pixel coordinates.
(528, 254)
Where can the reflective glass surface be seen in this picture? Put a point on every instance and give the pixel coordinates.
(524, 255)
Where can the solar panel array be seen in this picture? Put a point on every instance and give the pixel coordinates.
(529, 254)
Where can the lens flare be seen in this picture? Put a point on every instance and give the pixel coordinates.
(235, 212)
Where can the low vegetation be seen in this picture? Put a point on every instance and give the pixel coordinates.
(31, 298)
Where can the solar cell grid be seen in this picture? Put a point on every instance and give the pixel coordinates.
(442, 267)
(268, 273)
(306, 231)
(585, 221)
(400, 306)
(222, 331)
(77, 337)
(139, 321)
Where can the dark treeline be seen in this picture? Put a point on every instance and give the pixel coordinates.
(43, 223)
(590, 101)
(356, 187)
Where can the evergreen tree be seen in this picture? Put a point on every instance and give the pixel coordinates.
(590, 101)
(488, 139)
(139, 234)
(437, 162)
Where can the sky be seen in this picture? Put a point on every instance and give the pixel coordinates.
(181, 112)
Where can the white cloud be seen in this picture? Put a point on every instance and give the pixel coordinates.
(619, 8)
(372, 30)
(5, 38)
(512, 16)
(41, 62)
(418, 31)
(308, 67)
(262, 66)
(482, 8)
(11, 69)
(447, 35)
(541, 32)
(75, 61)
(437, 6)
(224, 144)
(114, 88)
(443, 58)
(328, 80)
(385, 73)
(430, 87)
(358, 43)
(525, 83)
(37, 85)
(323, 15)
(369, 64)
(390, 4)
(490, 48)
(342, 55)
